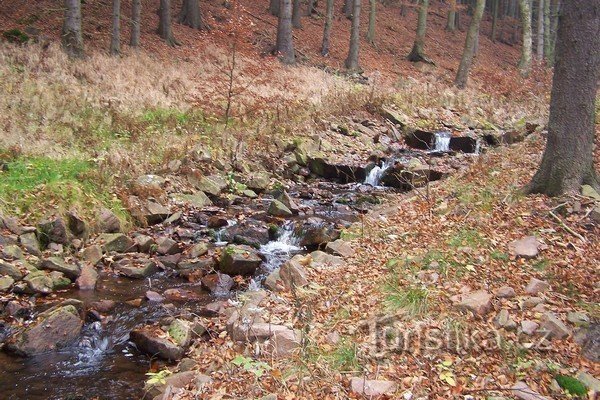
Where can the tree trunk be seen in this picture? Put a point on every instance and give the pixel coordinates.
(467, 59)
(417, 53)
(553, 29)
(451, 22)
(540, 30)
(115, 41)
(547, 44)
(274, 7)
(352, 59)
(347, 10)
(136, 11)
(327, 28)
(312, 4)
(297, 14)
(285, 40)
(568, 159)
(72, 38)
(496, 6)
(164, 23)
(525, 61)
(372, 21)
(190, 15)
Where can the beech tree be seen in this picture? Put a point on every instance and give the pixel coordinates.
(525, 61)
(285, 39)
(296, 14)
(348, 8)
(72, 38)
(372, 21)
(274, 7)
(495, 7)
(451, 21)
(567, 163)
(467, 59)
(136, 11)
(115, 41)
(417, 53)
(352, 59)
(190, 15)
(327, 28)
(539, 50)
(547, 44)
(164, 23)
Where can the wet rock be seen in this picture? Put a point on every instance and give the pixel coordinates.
(252, 233)
(273, 281)
(152, 340)
(198, 250)
(5, 283)
(38, 282)
(524, 392)
(108, 222)
(213, 184)
(278, 209)
(287, 200)
(11, 270)
(170, 261)
(340, 248)
(419, 139)
(372, 388)
(59, 280)
(77, 225)
(339, 172)
(92, 254)
(53, 231)
(239, 260)
(88, 278)
(167, 246)
(505, 292)
(258, 181)
(215, 222)
(117, 242)
(54, 329)
(553, 328)
(144, 243)
(154, 297)
(103, 306)
(218, 284)
(136, 269)
(198, 199)
(578, 318)
(72, 271)
(316, 231)
(292, 272)
(464, 144)
(11, 252)
(195, 267)
(322, 260)
(536, 287)
(479, 303)
(527, 247)
(182, 295)
(155, 213)
(31, 244)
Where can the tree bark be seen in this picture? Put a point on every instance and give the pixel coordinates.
(297, 14)
(417, 54)
(372, 21)
(525, 61)
(467, 59)
(568, 158)
(274, 7)
(451, 22)
(285, 40)
(136, 11)
(547, 44)
(72, 38)
(553, 29)
(164, 23)
(540, 30)
(115, 41)
(327, 28)
(348, 6)
(312, 4)
(352, 59)
(496, 6)
(190, 15)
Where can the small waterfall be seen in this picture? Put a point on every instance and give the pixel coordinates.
(442, 142)
(374, 176)
(219, 234)
(278, 251)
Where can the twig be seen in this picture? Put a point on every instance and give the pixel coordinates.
(571, 231)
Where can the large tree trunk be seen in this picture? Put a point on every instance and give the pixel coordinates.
(72, 38)
(372, 21)
(540, 30)
(352, 59)
(553, 29)
(312, 7)
(451, 22)
(164, 23)
(547, 44)
(190, 15)
(417, 54)
(348, 6)
(467, 59)
(568, 159)
(136, 11)
(274, 7)
(115, 41)
(525, 61)
(327, 28)
(285, 40)
(496, 6)
(297, 14)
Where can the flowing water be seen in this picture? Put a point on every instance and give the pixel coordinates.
(442, 142)
(374, 176)
(278, 251)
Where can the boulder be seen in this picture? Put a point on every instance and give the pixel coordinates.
(92, 254)
(150, 182)
(54, 329)
(39, 282)
(339, 172)
(527, 247)
(340, 248)
(322, 260)
(213, 184)
(108, 222)
(239, 260)
(31, 244)
(293, 274)
(153, 341)
(553, 328)
(10, 270)
(278, 209)
(167, 246)
(529, 327)
(503, 320)
(578, 318)
(218, 284)
(285, 342)
(536, 286)
(395, 116)
(179, 380)
(77, 225)
(251, 233)
(144, 243)
(199, 249)
(59, 280)
(72, 271)
(505, 292)
(285, 198)
(198, 199)
(117, 242)
(479, 303)
(11, 252)
(216, 222)
(273, 281)
(155, 213)
(590, 348)
(588, 191)
(53, 231)
(316, 231)
(372, 388)
(258, 181)
(195, 266)
(5, 283)
(154, 297)
(88, 278)
(136, 269)
(419, 139)
(522, 391)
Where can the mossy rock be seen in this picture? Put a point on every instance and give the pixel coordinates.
(16, 36)
(571, 385)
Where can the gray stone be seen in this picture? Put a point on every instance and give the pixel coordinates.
(108, 222)
(372, 388)
(167, 246)
(198, 199)
(251, 194)
(72, 271)
(54, 329)
(279, 209)
(53, 231)
(588, 191)
(155, 213)
(340, 248)
(273, 281)
(218, 284)
(285, 342)
(536, 286)
(136, 269)
(59, 280)
(553, 328)
(239, 260)
(179, 380)
(199, 249)
(259, 181)
(505, 292)
(287, 200)
(39, 282)
(11, 270)
(590, 382)
(77, 225)
(153, 341)
(151, 182)
(479, 303)
(590, 348)
(92, 254)
(529, 327)
(578, 318)
(527, 247)
(88, 278)
(154, 296)
(31, 244)
(322, 260)
(503, 320)
(195, 266)
(5, 283)
(316, 231)
(524, 392)
(117, 242)
(531, 302)
(213, 184)
(292, 272)
(12, 252)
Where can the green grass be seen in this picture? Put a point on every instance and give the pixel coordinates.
(402, 296)
(344, 357)
(466, 237)
(499, 255)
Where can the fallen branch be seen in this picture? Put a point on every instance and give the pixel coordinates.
(571, 231)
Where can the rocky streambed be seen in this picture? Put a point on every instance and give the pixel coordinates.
(87, 316)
